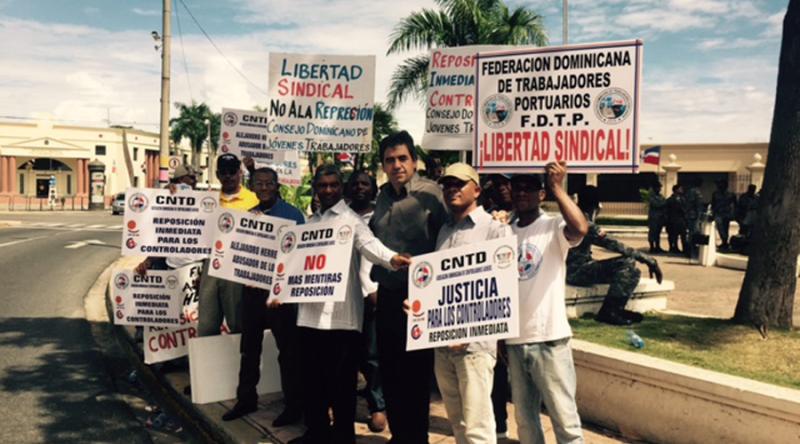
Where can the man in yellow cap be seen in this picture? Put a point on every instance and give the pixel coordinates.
(465, 372)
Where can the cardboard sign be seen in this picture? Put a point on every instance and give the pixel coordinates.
(154, 299)
(464, 294)
(313, 263)
(246, 246)
(158, 223)
(165, 343)
(578, 104)
(214, 363)
(450, 100)
(321, 102)
(246, 133)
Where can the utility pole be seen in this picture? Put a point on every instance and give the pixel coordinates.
(565, 22)
(166, 36)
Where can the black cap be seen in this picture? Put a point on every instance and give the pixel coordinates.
(228, 162)
(533, 179)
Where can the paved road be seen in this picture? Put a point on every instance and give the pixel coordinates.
(54, 383)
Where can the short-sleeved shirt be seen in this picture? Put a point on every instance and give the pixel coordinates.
(284, 210)
(476, 227)
(542, 254)
(243, 200)
(407, 222)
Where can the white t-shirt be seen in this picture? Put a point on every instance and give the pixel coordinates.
(542, 253)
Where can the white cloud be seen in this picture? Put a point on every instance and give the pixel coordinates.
(774, 25)
(147, 12)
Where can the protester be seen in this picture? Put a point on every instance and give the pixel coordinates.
(361, 191)
(723, 208)
(695, 212)
(676, 221)
(409, 212)
(746, 211)
(540, 359)
(619, 272)
(433, 168)
(465, 372)
(656, 217)
(330, 340)
(280, 320)
(219, 298)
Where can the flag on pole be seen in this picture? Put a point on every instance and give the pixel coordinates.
(652, 155)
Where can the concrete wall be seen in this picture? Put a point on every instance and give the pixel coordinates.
(663, 402)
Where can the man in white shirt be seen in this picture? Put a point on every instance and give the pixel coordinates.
(330, 340)
(465, 372)
(540, 359)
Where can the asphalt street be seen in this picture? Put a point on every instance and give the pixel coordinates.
(54, 380)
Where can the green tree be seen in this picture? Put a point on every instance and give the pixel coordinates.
(767, 295)
(383, 124)
(191, 123)
(456, 23)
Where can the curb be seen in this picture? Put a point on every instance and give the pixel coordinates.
(200, 425)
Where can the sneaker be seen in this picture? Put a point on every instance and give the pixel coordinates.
(377, 422)
(613, 317)
(632, 316)
(238, 411)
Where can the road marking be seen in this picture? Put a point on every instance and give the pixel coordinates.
(74, 226)
(19, 241)
(79, 244)
(96, 226)
(115, 227)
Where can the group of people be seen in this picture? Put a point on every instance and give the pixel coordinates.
(685, 210)
(322, 346)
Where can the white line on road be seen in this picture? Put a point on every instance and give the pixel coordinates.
(96, 226)
(84, 243)
(19, 241)
(74, 225)
(115, 227)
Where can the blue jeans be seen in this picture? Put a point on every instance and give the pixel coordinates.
(544, 371)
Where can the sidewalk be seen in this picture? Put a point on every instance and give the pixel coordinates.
(256, 427)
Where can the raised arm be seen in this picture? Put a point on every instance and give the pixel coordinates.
(577, 226)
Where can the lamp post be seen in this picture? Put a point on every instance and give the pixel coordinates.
(565, 22)
(163, 171)
(210, 158)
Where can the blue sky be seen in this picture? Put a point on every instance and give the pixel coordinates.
(709, 74)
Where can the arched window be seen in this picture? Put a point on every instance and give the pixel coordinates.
(45, 164)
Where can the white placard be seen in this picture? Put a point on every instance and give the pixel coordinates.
(450, 100)
(214, 363)
(154, 299)
(464, 294)
(158, 223)
(313, 263)
(321, 102)
(246, 133)
(246, 246)
(578, 104)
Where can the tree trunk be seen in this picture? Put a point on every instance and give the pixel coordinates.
(767, 295)
(196, 158)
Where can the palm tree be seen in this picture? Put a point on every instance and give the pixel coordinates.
(191, 123)
(456, 23)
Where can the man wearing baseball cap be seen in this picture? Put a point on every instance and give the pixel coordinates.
(185, 174)
(219, 298)
(465, 372)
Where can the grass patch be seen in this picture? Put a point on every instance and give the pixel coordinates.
(712, 344)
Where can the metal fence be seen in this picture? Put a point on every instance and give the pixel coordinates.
(26, 203)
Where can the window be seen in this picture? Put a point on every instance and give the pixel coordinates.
(135, 153)
(69, 184)
(135, 181)
(21, 184)
(99, 150)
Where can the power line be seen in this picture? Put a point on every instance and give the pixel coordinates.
(220, 51)
(183, 52)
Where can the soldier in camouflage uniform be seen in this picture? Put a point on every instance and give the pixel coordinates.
(695, 211)
(620, 272)
(676, 221)
(723, 207)
(656, 217)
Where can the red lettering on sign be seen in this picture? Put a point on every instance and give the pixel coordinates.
(315, 262)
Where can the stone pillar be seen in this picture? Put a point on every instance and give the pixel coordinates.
(671, 177)
(3, 175)
(756, 171)
(12, 175)
(78, 177)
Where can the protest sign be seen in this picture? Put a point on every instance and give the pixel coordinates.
(245, 247)
(158, 223)
(154, 299)
(214, 367)
(246, 133)
(464, 294)
(450, 105)
(578, 104)
(321, 102)
(165, 343)
(313, 263)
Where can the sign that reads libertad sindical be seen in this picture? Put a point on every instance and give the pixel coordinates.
(313, 263)
(246, 246)
(464, 294)
(578, 104)
(159, 223)
(321, 102)
(153, 299)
